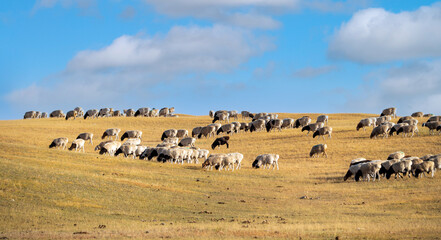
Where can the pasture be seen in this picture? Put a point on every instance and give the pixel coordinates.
(51, 193)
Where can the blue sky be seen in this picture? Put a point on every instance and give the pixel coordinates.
(196, 55)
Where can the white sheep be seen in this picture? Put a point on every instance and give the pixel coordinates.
(78, 144)
(266, 160)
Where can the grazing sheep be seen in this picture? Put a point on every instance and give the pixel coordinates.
(323, 119)
(389, 112)
(196, 131)
(381, 120)
(415, 163)
(432, 126)
(385, 166)
(226, 128)
(233, 114)
(222, 116)
(395, 128)
(99, 146)
(413, 122)
(244, 126)
(288, 123)
(59, 142)
(238, 157)
(211, 113)
(57, 114)
(214, 160)
(30, 114)
(322, 132)
(43, 115)
(434, 119)
(417, 114)
(132, 134)
(132, 141)
(182, 133)
(397, 168)
(71, 114)
(129, 112)
(437, 160)
(110, 148)
(425, 167)
(259, 115)
(202, 153)
(105, 112)
(153, 112)
(396, 155)
(117, 113)
(317, 149)
(80, 111)
(407, 130)
(78, 144)
(220, 141)
(245, 114)
(378, 130)
(312, 127)
(164, 112)
(86, 136)
(404, 118)
(37, 114)
(353, 169)
(301, 122)
(274, 124)
(266, 160)
(172, 140)
(139, 150)
(227, 161)
(366, 122)
(257, 125)
(187, 142)
(207, 131)
(92, 113)
(237, 126)
(169, 133)
(143, 112)
(369, 169)
(111, 132)
(127, 149)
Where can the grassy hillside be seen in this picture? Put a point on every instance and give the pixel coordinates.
(48, 193)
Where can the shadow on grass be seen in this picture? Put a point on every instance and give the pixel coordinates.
(330, 179)
(198, 168)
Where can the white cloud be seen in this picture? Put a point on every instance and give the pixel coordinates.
(86, 6)
(412, 87)
(311, 72)
(375, 35)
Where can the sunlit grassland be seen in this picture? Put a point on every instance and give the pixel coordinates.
(51, 193)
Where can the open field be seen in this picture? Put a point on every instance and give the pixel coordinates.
(50, 193)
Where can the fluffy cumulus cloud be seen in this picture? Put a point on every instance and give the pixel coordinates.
(131, 65)
(411, 87)
(375, 35)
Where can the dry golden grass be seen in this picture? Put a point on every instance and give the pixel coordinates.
(48, 193)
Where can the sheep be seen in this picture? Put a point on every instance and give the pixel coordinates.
(71, 114)
(227, 161)
(407, 129)
(385, 166)
(221, 117)
(172, 140)
(366, 122)
(301, 122)
(86, 136)
(396, 155)
(244, 126)
(173, 155)
(404, 118)
(378, 130)
(164, 112)
(214, 160)
(59, 142)
(322, 132)
(220, 141)
(323, 119)
(233, 114)
(57, 114)
(381, 120)
(237, 126)
(30, 114)
(417, 114)
(196, 131)
(185, 142)
(154, 112)
(211, 114)
(317, 149)
(312, 127)
(432, 126)
(245, 114)
(434, 119)
(127, 149)
(99, 146)
(395, 128)
(389, 112)
(110, 148)
(266, 160)
(43, 115)
(288, 123)
(80, 111)
(411, 122)
(132, 141)
(92, 113)
(207, 131)
(111, 132)
(129, 112)
(105, 112)
(78, 144)
(369, 169)
(259, 115)
(358, 161)
(169, 133)
(182, 133)
(150, 153)
(425, 167)
(202, 153)
(37, 114)
(139, 150)
(238, 157)
(273, 115)
(437, 160)
(257, 125)
(398, 168)
(226, 128)
(274, 124)
(132, 134)
(415, 164)
(353, 169)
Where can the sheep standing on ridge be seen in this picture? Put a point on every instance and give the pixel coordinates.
(143, 112)
(80, 111)
(57, 114)
(389, 112)
(129, 112)
(71, 114)
(29, 115)
(92, 113)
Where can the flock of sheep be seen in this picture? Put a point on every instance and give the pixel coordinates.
(177, 146)
(103, 112)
